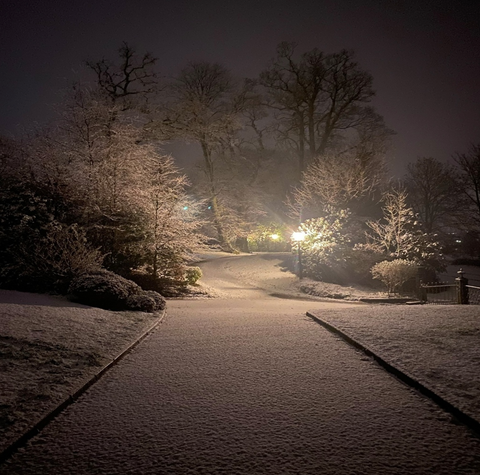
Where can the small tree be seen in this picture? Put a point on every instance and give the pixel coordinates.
(399, 235)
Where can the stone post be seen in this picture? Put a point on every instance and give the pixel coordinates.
(420, 279)
(462, 289)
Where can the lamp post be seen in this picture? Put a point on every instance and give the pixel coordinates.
(298, 237)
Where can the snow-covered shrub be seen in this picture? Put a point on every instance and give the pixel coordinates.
(160, 302)
(394, 273)
(192, 274)
(268, 237)
(141, 302)
(50, 259)
(107, 290)
(103, 289)
(328, 246)
(65, 251)
(148, 301)
(169, 286)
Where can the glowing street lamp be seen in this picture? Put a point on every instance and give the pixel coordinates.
(298, 237)
(274, 237)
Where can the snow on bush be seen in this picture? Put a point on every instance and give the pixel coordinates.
(141, 302)
(147, 301)
(110, 291)
(51, 261)
(394, 273)
(192, 274)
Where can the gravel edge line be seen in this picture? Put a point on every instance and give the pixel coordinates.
(403, 376)
(45, 420)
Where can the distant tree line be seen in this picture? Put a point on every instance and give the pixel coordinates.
(300, 143)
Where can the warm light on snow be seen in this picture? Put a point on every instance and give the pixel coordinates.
(298, 236)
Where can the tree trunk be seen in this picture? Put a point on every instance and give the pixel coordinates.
(301, 144)
(217, 219)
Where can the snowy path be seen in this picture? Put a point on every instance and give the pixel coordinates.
(248, 385)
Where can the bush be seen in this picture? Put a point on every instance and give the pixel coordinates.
(148, 301)
(110, 291)
(192, 274)
(394, 273)
(268, 237)
(160, 302)
(167, 286)
(328, 246)
(48, 261)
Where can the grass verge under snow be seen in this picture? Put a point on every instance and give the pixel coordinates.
(438, 345)
(49, 347)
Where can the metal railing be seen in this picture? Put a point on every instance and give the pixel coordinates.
(442, 293)
(473, 293)
(450, 293)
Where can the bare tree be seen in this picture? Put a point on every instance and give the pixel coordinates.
(132, 76)
(204, 108)
(316, 99)
(342, 180)
(469, 166)
(433, 193)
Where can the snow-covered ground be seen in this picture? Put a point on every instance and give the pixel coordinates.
(438, 345)
(48, 348)
(247, 384)
(273, 272)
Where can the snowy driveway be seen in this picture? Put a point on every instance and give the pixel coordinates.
(246, 384)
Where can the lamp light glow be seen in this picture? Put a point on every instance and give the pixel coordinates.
(298, 236)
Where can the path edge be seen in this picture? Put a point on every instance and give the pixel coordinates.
(50, 416)
(403, 376)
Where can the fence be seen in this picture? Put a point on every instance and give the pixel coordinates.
(450, 293)
(473, 293)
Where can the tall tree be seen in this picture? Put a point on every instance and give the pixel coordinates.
(204, 108)
(123, 191)
(432, 193)
(133, 77)
(317, 98)
(469, 166)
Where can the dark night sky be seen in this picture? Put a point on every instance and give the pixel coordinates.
(424, 55)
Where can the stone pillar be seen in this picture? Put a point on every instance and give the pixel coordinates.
(462, 289)
(420, 279)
